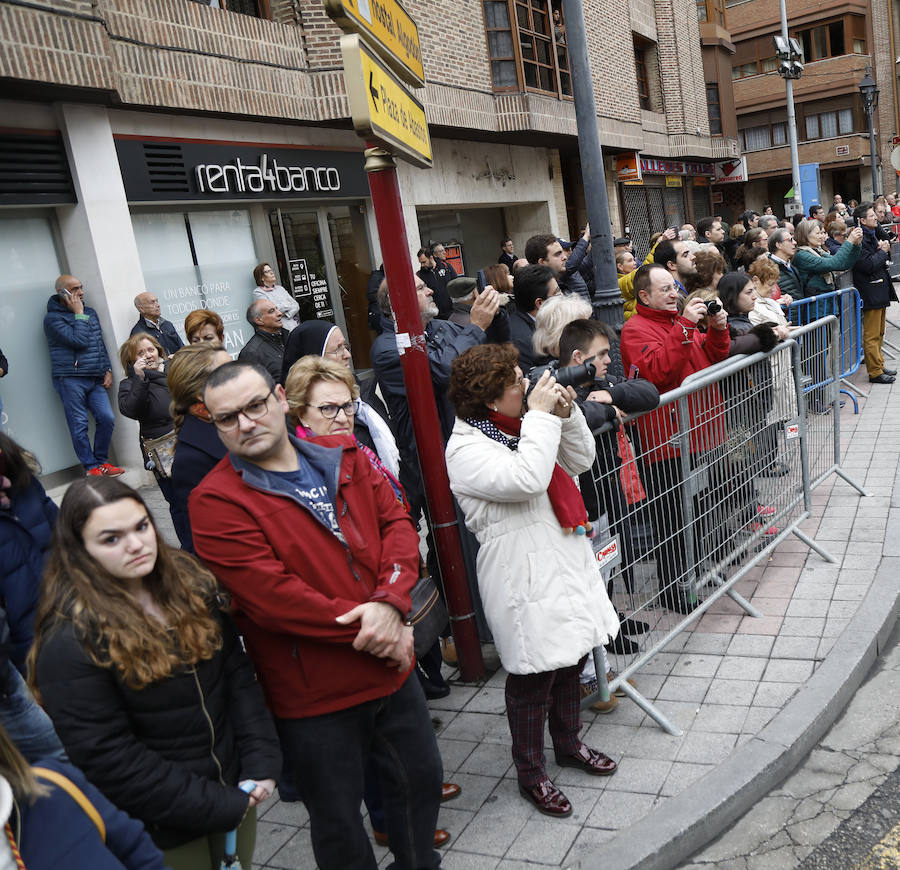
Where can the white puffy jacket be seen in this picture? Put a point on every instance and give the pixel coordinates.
(542, 592)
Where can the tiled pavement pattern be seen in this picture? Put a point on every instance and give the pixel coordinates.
(721, 682)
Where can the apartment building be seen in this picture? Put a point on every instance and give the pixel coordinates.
(171, 145)
(837, 42)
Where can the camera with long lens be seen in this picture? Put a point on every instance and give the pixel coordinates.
(569, 376)
(713, 307)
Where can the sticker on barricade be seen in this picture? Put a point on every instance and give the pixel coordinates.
(610, 554)
(792, 430)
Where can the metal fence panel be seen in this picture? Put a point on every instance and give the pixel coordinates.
(707, 484)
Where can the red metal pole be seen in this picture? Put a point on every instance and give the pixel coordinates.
(382, 173)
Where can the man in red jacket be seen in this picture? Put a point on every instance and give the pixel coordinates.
(320, 558)
(665, 347)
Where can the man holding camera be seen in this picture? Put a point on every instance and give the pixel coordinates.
(81, 373)
(665, 347)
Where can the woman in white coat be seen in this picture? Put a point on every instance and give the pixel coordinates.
(545, 601)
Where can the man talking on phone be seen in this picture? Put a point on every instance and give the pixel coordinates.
(81, 372)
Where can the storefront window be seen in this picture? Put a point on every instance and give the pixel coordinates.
(29, 267)
(200, 259)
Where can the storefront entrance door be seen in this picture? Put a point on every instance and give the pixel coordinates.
(328, 280)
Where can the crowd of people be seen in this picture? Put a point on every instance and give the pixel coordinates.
(173, 689)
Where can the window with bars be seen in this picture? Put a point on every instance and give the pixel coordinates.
(527, 46)
(715, 108)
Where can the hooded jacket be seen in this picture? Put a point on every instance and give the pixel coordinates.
(290, 577)
(75, 340)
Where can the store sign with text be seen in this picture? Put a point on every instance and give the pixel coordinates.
(628, 167)
(731, 171)
(652, 166)
(183, 169)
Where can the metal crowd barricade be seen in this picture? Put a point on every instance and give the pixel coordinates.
(705, 487)
(846, 305)
(889, 348)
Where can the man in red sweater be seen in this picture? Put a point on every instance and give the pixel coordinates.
(320, 558)
(665, 347)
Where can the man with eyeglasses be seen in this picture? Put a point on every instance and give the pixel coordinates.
(82, 373)
(320, 557)
(266, 347)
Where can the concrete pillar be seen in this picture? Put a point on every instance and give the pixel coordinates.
(100, 246)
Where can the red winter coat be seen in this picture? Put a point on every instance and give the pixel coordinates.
(666, 348)
(290, 577)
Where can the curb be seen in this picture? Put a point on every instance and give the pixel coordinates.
(683, 825)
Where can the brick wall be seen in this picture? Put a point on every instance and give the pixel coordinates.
(822, 152)
(185, 55)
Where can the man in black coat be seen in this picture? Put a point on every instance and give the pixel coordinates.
(437, 273)
(154, 324)
(507, 257)
(266, 348)
(871, 278)
(531, 286)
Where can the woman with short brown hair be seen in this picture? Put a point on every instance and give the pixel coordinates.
(202, 324)
(510, 464)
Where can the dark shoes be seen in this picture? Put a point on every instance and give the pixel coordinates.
(891, 372)
(883, 378)
(548, 799)
(632, 626)
(589, 760)
(449, 790)
(440, 838)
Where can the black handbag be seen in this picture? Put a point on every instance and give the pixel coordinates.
(428, 614)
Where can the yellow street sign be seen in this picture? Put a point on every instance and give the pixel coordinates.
(386, 25)
(381, 107)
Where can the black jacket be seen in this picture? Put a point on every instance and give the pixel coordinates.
(170, 754)
(147, 401)
(507, 260)
(870, 274)
(600, 486)
(25, 533)
(165, 333)
(437, 279)
(197, 451)
(266, 349)
(521, 331)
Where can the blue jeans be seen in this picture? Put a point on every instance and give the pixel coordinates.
(329, 753)
(80, 395)
(28, 726)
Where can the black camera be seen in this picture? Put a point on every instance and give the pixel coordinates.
(570, 376)
(713, 307)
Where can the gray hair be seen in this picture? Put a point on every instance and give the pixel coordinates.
(552, 318)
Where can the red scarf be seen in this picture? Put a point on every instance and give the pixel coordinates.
(565, 497)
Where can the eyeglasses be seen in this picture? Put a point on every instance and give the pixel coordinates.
(330, 412)
(339, 350)
(252, 411)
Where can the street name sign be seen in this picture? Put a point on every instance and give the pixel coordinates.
(388, 28)
(382, 109)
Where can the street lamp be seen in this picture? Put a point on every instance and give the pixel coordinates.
(869, 92)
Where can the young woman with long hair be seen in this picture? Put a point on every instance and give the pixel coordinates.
(146, 681)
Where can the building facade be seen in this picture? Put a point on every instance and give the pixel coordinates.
(838, 43)
(171, 145)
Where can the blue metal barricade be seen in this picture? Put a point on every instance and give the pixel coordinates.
(846, 306)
